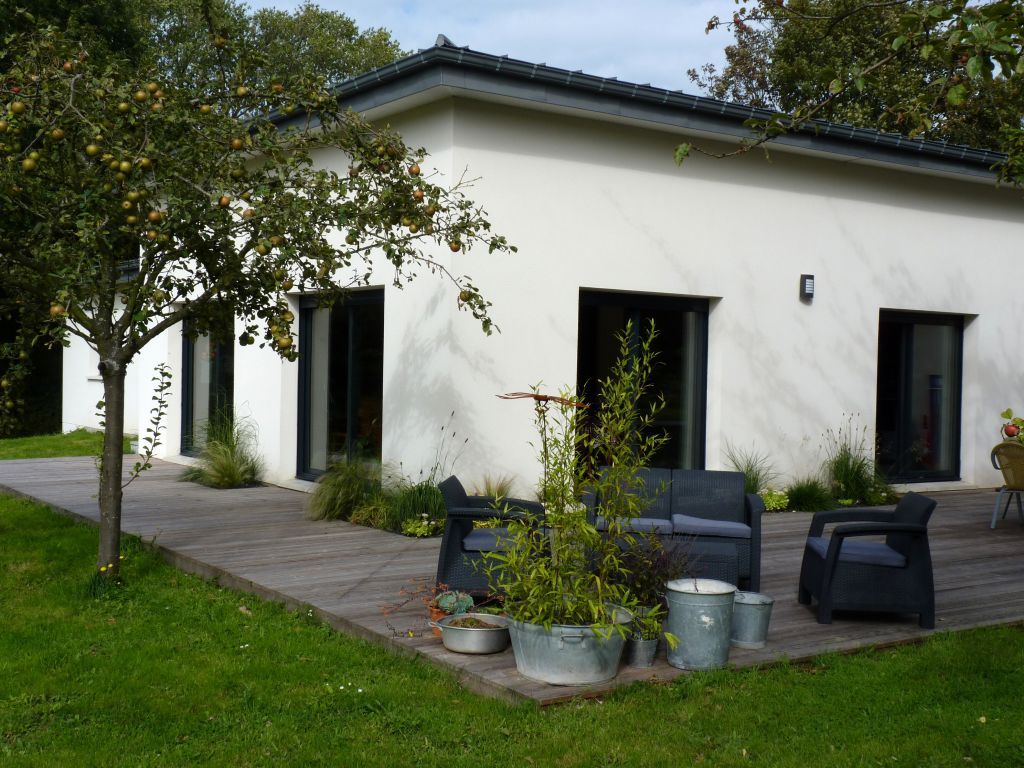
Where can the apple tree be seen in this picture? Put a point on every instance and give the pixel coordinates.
(132, 203)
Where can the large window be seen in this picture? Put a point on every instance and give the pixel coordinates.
(681, 371)
(341, 385)
(918, 411)
(208, 383)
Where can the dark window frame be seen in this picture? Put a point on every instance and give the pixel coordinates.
(308, 305)
(957, 322)
(187, 445)
(635, 304)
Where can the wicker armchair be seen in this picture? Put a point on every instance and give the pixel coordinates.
(460, 562)
(1008, 458)
(844, 572)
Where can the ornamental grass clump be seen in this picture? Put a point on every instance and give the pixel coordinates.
(758, 471)
(343, 489)
(228, 457)
(849, 467)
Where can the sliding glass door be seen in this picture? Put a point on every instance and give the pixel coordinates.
(341, 381)
(681, 371)
(918, 408)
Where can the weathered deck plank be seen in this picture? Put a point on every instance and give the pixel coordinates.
(256, 539)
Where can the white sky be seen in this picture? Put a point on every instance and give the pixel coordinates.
(643, 41)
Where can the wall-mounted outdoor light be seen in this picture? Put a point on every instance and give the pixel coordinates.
(806, 287)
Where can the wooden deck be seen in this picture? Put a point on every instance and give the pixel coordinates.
(257, 540)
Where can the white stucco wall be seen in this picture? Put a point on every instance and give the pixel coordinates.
(602, 206)
(82, 388)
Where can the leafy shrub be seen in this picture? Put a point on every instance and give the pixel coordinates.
(774, 501)
(228, 458)
(343, 489)
(756, 467)
(422, 527)
(809, 494)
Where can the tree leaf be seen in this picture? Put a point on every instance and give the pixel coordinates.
(956, 95)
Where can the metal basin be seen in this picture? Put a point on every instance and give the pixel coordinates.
(492, 639)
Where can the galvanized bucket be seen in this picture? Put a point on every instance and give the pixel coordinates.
(700, 616)
(751, 614)
(566, 655)
(641, 653)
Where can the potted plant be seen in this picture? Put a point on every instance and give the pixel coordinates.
(447, 603)
(563, 580)
(648, 567)
(1013, 428)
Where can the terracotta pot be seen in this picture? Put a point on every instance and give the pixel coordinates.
(435, 614)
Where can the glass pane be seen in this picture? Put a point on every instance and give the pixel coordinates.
(211, 389)
(918, 406)
(930, 410)
(679, 374)
(317, 360)
(344, 367)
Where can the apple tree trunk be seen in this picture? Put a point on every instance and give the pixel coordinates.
(111, 466)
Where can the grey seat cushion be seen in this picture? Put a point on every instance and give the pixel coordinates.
(640, 525)
(486, 540)
(853, 551)
(700, 526)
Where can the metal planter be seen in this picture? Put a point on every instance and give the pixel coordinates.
(566, 655)
(700, 616)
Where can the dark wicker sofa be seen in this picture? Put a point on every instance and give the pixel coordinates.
(706, 511)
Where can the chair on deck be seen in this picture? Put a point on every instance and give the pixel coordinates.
(1008, 458)
(844, 572)
(460, 562)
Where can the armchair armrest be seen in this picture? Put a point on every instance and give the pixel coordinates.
(853, 515)
(878, 529)
(523, 505)
(476, 513)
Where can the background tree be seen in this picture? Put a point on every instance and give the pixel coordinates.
(133, 203)
(940, 70)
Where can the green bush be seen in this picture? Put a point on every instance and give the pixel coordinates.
(343, 489)
(774, 501)
(375, 511)
(849, 467)
(809, 494)
(756, 467)
(412, 502)
(228, 458)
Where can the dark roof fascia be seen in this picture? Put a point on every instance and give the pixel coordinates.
(471, 72)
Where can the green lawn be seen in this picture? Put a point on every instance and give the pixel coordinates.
(81, 442)
(171, 670)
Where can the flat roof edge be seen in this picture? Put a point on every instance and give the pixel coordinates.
(479, 73)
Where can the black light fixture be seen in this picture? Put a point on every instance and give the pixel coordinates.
(806, 287)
